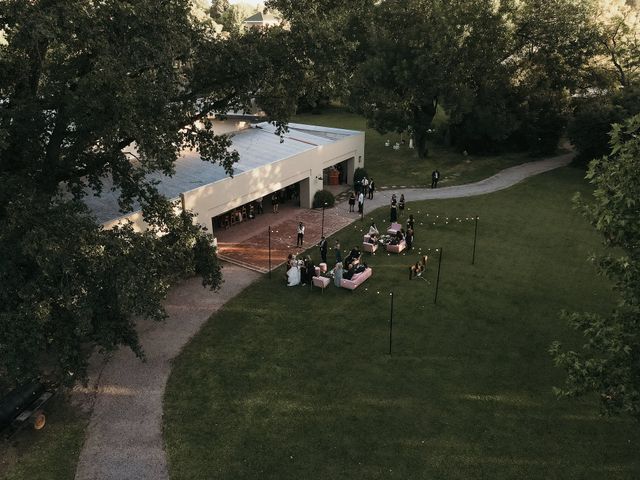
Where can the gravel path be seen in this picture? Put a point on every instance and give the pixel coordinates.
(124, 438)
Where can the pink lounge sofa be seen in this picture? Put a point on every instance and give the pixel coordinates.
(369, 247)
(357, 279)
(322, 282)
(394, 228)
(397, 248)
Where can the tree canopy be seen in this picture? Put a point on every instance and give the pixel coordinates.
(79, 82)
(498, 68)
(609, 361)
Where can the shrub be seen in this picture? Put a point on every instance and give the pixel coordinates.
(358, 175)
(323, 196)
(590, 126)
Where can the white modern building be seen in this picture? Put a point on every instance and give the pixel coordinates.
(301, 161)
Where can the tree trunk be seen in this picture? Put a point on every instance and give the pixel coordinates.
(422, 118)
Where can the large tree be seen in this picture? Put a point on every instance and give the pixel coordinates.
(609, 361)
(80, 81)
(444, 50)
(618, 24)
(497, 67)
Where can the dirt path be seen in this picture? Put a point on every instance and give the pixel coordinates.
(124, 437)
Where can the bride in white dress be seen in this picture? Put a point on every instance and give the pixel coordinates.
(293, 275)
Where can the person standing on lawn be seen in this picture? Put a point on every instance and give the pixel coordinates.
(323, 249)
(401, 205)
(408, 238)
(393, 214)
(360, 202)
(337, 251)
(300, 240)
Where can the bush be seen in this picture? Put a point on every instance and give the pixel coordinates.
(589, 129)
(323, 196)
(358, 175)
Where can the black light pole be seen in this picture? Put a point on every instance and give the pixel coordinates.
(269, 251)
(435, 299)
(475, 236)
(322, 230)
(391, 323)
(362, 217)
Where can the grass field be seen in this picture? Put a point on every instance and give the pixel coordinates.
(289, 383)
(48, 454)
(403, 167)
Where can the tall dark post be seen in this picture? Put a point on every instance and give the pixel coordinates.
(391, 323)
(362, 217)
(322, 229)
(269, 251)
(435, 299)
(475, 236)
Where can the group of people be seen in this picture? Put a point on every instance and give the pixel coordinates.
(299, 270)
(349, 267)
(366, 186)
(397, 207)
(352, 202)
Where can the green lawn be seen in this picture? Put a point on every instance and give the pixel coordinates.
(48, 454)
(288, 383)
(403, 167)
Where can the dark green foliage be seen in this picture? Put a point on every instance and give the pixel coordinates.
(590, 126)
(79, 82)
(609, 361)
(323, 197)
(544, 121)
(359, 174)
(218, 8)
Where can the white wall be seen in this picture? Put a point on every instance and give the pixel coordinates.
(219, 197)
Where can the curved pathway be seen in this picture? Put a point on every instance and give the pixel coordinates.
(124, 438)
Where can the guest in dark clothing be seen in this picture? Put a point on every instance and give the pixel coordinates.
(353, 255)
(399, 237)
(348, 274)
(435, 176)
(410, 222)
(393, 214)
(409, 238)
(323, 249)
(308, 271)
(352, 202)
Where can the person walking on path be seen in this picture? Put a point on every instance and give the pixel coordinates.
(300, 240)
(360, 203)
(337, 251)
(352, 202)
(435, 176)
(323, 249)
(275, 201)
(372, 187)
(401, 205)
(365, 185)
